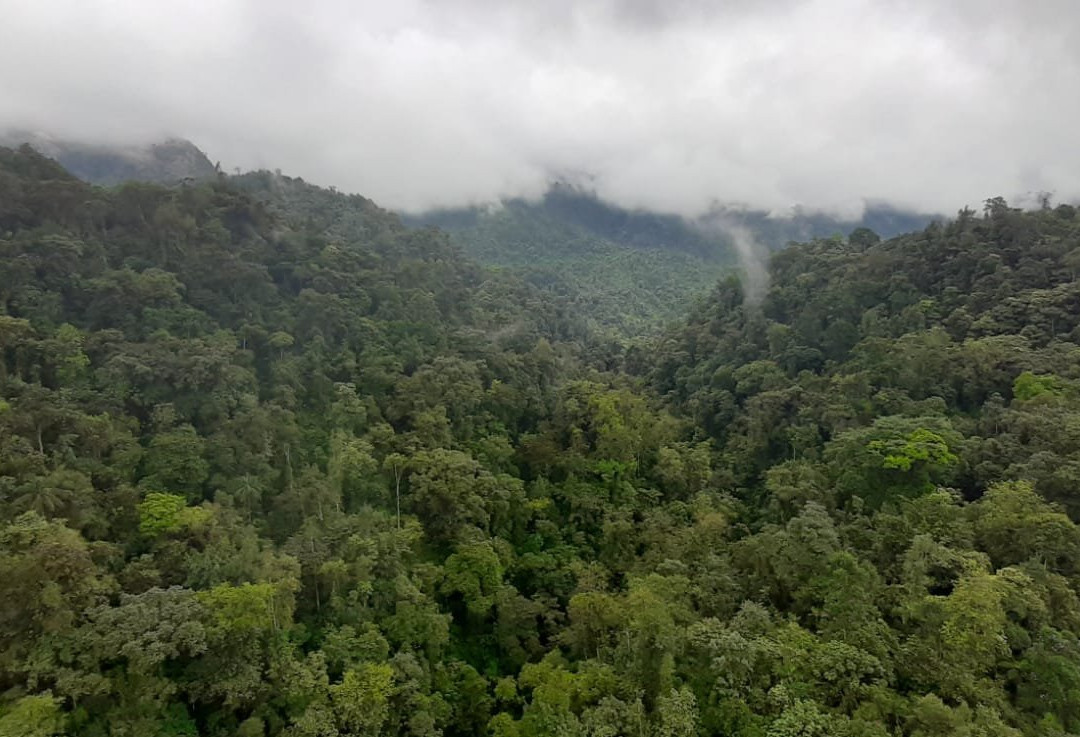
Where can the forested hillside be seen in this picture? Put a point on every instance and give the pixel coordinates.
(272, 463)
(628, 272)
(625, 273)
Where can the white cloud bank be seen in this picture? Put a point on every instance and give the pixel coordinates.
(673, 104)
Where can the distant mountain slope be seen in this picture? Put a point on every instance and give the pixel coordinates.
(626, 272)
(631, 270)
(778, 231)
(167, 162)
(567, 210)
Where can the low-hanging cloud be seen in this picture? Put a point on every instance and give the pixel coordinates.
(667, 104)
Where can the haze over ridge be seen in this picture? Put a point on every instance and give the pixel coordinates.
(671, 106)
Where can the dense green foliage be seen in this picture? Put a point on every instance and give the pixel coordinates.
(629, 272)
(272, 463)
(625, 273)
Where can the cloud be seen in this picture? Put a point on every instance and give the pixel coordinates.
(668, 104)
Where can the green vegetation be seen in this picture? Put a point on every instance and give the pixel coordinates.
(272, 463)
(624, 273)
(630, 272)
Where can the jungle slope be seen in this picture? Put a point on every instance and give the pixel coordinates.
(280, 465)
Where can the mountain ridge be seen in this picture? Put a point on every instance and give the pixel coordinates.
(637, 268)
(626, 271)
(164, 162)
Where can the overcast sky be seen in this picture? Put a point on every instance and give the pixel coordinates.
(671, 104)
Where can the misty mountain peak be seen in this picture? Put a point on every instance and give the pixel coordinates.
(165, 162)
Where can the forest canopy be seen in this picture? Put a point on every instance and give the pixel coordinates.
(273, 463)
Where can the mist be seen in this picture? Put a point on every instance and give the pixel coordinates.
(752, 255)
(673, 106)
(753, 259)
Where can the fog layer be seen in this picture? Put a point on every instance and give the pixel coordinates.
(667, 105)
